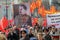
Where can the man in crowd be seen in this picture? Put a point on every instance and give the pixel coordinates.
(24, 35)
(47, 36)
(13, 34)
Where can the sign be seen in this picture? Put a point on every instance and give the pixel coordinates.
(22, 15)
(53, 19)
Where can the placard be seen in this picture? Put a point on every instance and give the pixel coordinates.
(22, 15)
(53, 19)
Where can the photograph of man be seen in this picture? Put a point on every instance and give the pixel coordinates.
(23, 18)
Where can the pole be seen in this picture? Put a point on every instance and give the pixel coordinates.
(6, 10)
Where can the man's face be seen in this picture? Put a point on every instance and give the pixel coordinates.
(39, 36)
(45, 32)
(23, 34)
(22, 10)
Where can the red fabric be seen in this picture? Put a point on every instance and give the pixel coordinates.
(55, 36)
(45, 23)
(4, 22)
(41, 11)
(38, 3)
(32, 6)
(0, 27)
(34, 21)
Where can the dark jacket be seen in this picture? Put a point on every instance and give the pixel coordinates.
(14, 35)
(47, 37)
(31, 35)
(10, 36)
(26, 38)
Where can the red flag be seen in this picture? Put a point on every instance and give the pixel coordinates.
(0, 27)
(38, 3)
(32, 6)
(41, 11)
(4, 22)
(34, 21)
(45, 23)
(52, 9)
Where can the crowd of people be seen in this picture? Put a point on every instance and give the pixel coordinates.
(29, 33)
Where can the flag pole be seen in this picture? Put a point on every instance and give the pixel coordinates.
(6, 10)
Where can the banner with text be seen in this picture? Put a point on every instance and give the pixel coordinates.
(53, 19)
